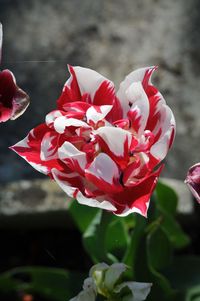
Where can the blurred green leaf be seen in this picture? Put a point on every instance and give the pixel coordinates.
(184, 272)
(167, 199)
(55, 284)
(166, 204)
(82, 215)
(174, 232)
(130, 257)
(193, 294)
(159, 249)
(94, 238)
(117, 238)
(159, 255)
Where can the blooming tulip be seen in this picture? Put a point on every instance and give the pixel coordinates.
(104, 148)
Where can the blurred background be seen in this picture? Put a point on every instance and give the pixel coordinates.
(112, 37)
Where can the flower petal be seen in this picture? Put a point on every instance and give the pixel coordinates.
(70, 92)
(12, 98)
(165, 129)
(75, 159)
(62, 122)
(63, 182)
(49, 146)
(96, 114)
(115, 142)
(52, 116)
(139, 111)
(30, 149)
(104, 174)
(140, 75)
(137, 198)
(98, 202)
(99, 88)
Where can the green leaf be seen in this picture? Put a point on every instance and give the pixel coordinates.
(94, 238)
(130, 257)
(167, 199)
(82, 215)
(117, 238)
(193, 294)
(55, 284)
(166, 204)
(159, 250)
(7, 284)
(159, 254)
(174, 232)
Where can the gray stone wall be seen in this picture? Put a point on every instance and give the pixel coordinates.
(113, 37)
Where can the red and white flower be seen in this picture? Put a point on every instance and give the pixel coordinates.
(193, 181)
(104, 148)
(13, 100)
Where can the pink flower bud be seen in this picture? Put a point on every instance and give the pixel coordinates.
(193, 181)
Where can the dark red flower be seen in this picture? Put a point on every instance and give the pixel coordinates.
(193, 181)
(13, 100)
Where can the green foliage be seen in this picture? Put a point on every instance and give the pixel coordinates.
(82, 215)
(54, 284)
(146, 245)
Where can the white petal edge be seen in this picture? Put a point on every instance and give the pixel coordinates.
(128, 210)
(95, 202)
(95, 116)
(79, 196)
(23, 143)
(62, 122)
(160, 148)
(135, 76)
(89, 80)
(140, 103)
(104, 168)
(47, 152)
(52, 116)
(114, 138)
(69, 151)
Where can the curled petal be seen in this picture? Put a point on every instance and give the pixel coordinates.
(137, 198)
(99, 88)
(165, 132)
(139, 111)
(115, 142)
(97, 113)
(104, 174)
(75, 159)
(30, 149)
(140, 75)
(52, 116)
(49, 146)
(62, 122)
(63, 181)
(70, 92)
